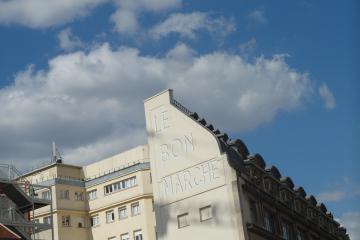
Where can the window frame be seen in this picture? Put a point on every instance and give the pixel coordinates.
(112, 216)
(208, 207)
(185, 216)
(133, 205)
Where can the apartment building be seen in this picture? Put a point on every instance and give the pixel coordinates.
(190, 181)
(109, 199)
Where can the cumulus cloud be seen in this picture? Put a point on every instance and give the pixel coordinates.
(91, 103)
(327, 96)
(126, 16)
(68, 41)
(188, 24)
(331, 196)
(44, 13)
(351, 220)
(258, 16)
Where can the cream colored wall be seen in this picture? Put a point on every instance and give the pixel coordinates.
(123, 159)
(71, 172)
(141, 193)
(71, 203)
(188, 172)
(44, 175)
(143, 221)
(72, 232)
(104, 201)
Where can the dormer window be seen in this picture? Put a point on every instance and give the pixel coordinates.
(268, 185)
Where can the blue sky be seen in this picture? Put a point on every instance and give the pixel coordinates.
(283, 77)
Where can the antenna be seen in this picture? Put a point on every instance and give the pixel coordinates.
(56, 157)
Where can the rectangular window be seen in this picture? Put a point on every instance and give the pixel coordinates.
(79, 196)
(269, 221)
(94, 220)
(301, 235)
(110, 216)
(47, 220)
(122, 213)
(135, 209)
(124, 184)
(183, 220)
(80, 222)
(92, 194)
(66, 221)
(253, 211)
(124, 236)
(286, 230)
(205, 213)
(64, 194)
(46, 195)
(138, 235)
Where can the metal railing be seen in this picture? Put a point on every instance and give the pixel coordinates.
(180, 107)
(10, 173)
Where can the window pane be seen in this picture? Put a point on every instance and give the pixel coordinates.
(138, 235)
(183, 220)
(135, 209)
(205, 213)
(124, 236)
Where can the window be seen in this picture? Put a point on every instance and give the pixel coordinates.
(301, 235)
(124, 236)
(253, 211)
(205, 213)
(47, 220)
(46, 195)
(112, 238)
(94, 220)
(183, 220)
(138, 235)
(269, 222)
(79, 196)
(110, 216)
(92, 194)
(122, 213)
(66, 221)
(64, 194)
(80, 222)
(114, 187)
(286, 230)
(268, 185)
(135, 209)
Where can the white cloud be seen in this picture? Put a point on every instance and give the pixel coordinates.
(91, 103)
(258, 15)
(125, 21)
(351, 221)
(126, 16)
(68, 41)
(188, 24)
(44, 13)
(331, 196)
(248, 46)
(327, 96)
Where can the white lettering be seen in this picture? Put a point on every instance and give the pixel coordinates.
(191, 179)
(177, 147)
(161, 121)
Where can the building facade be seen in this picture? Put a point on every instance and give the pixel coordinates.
(190, 181)
(109, 199)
